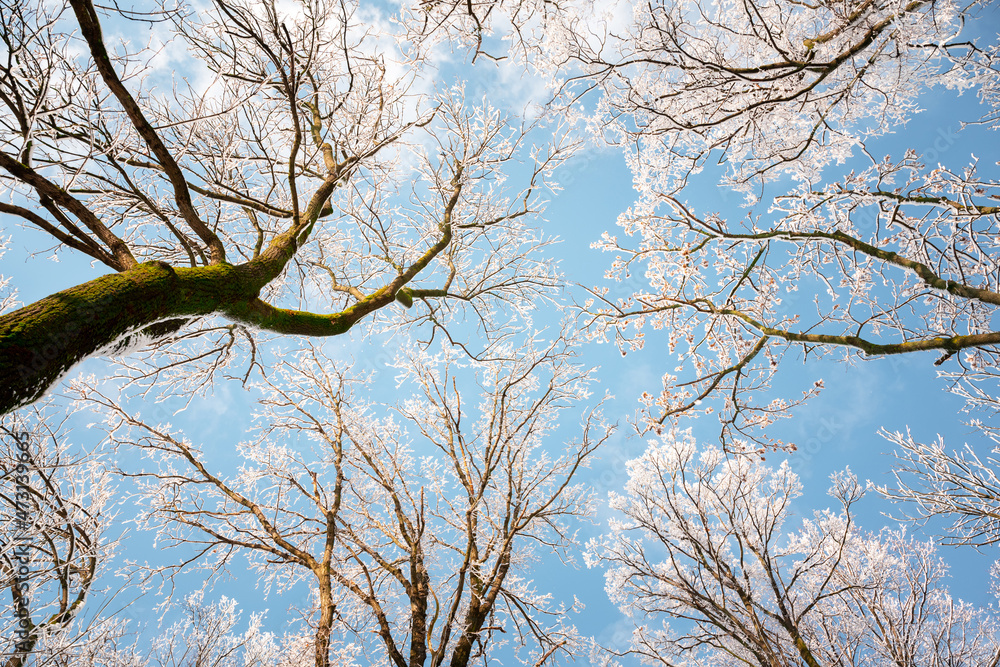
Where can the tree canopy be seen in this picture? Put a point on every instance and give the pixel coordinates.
(298, 154)
(249, 178)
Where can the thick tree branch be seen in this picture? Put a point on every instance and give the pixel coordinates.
(87, 246)
(45, 188)
(90, 28)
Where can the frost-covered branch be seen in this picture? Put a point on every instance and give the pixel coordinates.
(417, 550)
(703, 556)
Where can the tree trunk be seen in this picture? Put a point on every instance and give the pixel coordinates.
(41, 342)
(325, 627)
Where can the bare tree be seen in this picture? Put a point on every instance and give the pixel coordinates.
(900, 261)
(704, 561)
(52, 542)
(207, 634)
(305, 156)
(961, 488)
(901, 256)
(415, 551)
(764, 86)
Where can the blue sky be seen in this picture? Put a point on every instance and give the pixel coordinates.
(835, 430)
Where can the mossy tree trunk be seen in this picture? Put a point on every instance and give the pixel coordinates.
(41, 342)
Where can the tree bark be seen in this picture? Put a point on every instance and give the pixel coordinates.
(43, 341)
(326, 617)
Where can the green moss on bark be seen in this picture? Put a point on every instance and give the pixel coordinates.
(41, 341)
